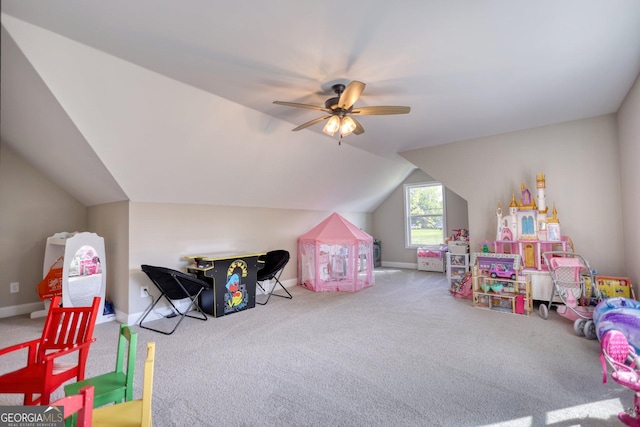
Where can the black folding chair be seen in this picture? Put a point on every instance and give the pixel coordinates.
(274, 263)
(174, 285)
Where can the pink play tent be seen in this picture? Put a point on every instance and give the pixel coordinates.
(335, 256)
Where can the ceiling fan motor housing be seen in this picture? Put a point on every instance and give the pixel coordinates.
(338, 88)
(332, 102)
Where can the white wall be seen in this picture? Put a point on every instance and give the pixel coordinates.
(584, 173)
(111, 221)
(580, 161)
(629, 139)
(162, 234)
(388, 221)
(32, 208)
(457, 211)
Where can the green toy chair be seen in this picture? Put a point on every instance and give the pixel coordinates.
(116, 386)
(134, 412)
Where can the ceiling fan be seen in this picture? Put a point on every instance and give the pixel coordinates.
(341, 111)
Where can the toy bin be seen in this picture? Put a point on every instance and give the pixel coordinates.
(432, 258)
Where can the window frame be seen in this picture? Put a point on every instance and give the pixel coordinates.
(408, 216)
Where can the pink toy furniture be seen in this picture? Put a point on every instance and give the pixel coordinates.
(617, 353)
(335, 256)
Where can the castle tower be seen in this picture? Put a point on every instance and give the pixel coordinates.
(542, 200)
(542, 206)
(513, 218)
(499, 222)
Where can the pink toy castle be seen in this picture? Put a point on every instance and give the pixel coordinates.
(527, 230)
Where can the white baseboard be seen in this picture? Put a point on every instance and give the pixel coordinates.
(161, 311)
(16, 310)
(290, 282)
(410, 265)
(272, 283)
(131, 319)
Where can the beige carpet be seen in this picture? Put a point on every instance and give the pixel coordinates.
(400, 353)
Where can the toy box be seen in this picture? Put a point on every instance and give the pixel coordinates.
(458, 248)
(432, 258)
(611, 287)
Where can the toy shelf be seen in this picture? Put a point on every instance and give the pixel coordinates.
(510, 296)
(457, 267)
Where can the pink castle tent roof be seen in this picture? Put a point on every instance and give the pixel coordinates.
(335, 230)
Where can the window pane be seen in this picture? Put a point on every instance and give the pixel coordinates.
(425, 206)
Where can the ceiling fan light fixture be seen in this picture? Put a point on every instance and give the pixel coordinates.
(332, 126)
(341, 107)
(347, 126)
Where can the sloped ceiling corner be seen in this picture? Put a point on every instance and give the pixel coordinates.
(35, 126)
(174, 98)
(165, 141)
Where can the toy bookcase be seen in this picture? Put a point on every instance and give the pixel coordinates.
(499, 284)
(511, 296)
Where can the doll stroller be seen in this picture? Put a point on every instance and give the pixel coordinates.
(575, 285)
(621, 356)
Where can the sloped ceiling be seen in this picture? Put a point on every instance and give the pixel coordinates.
(171, 101)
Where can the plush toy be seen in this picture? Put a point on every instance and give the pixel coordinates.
(621, 314)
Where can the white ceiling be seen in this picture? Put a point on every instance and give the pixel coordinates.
(171, 101)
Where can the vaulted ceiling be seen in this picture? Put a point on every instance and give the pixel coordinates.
(171, 101)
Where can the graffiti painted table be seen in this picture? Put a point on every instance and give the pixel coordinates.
(233, 279)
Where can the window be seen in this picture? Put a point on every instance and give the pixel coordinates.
(424, 214)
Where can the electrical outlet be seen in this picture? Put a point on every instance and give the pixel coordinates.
(144, 292)
(14, 287)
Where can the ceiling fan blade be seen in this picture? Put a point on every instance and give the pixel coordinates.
(295, 104)
(351, 94)
(359, 129)
(373, 111)
(311, 123)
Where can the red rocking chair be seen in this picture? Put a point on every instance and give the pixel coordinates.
(66, 331)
